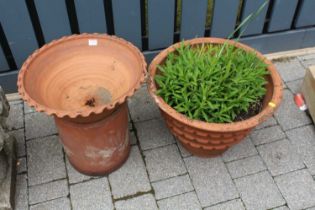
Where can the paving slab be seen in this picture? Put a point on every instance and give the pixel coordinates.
(15, 119)
(281, 208)
(93, 195)
(280, 157)
(133, 138)
(268, 123)
(183, 151)
(307, 60)
(303, 140)
(131, 178)
(187, 201)
(241, 150)
(57, 204)
(171, 187)
(45, 160)
(236, 204)
(288, 115)
(164, 162)
(73, 175)
(153, 133)
(20, 141)
(246, 166)
(295, 86)
(21, 165)
(39, 125)
(28, 109)
(211, 180)
(290, 70)
(298, 189)
(48, 191)
(267, 135)
(258, 191)
(142, 107)
(143, 202)
(21, 192)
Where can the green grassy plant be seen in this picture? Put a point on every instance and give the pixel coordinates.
(212, 83)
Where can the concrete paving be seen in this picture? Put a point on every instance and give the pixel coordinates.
(274, 168)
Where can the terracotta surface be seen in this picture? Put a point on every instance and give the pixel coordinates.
(96, 148)
(212, 139)
(83, 81)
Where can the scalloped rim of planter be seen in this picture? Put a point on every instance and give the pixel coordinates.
(95, 110)
(217, 127)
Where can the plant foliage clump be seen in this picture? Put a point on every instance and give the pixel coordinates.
(212, 83)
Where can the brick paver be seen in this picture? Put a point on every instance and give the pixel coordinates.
(164, 162)
(57, 204)
(187, 201)
(298, 188)
(280, 157)
(274, 168)
(246, 166)
(143, 202)
(45, 160)
(173, 186)
(131, 178)
(21, 194)
(288, 115)
(259, 191)
(39, 125)
(48, 191)
(242, 150)
(211, 180)
(93, 195)
(303, 139)
(153, 133)
(229, 205)
(267, 135)
(290, 70)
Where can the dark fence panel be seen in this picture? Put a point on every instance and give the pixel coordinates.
(127, 20)
(53, 18)
(281, 19)
(18, 29)
(257, 25)
(91, 16)
(149, 24)
(306, 16)
(193, 19)
(224, 17)
(160, 23)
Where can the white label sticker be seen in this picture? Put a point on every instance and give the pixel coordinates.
(92, 42)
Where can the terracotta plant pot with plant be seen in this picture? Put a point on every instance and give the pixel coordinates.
(212, 92)
(83, 81)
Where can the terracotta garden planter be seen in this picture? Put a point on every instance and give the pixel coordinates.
(212, 139)
(84, 81)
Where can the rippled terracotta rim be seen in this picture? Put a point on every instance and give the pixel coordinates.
(95, 110)
(217, 127)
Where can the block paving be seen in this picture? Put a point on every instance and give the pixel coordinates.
(273, 168)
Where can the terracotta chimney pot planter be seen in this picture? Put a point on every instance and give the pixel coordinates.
(212, 139)
(83, 81)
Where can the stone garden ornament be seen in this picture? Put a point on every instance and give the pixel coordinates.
(7, 158)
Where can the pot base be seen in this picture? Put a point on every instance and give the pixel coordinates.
(104, 171)
(203, 153)
(96, 148)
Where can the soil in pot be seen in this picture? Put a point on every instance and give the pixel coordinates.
(208, 111)
(84, 81)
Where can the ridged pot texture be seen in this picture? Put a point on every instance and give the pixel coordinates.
(212, 139)
(84, 81)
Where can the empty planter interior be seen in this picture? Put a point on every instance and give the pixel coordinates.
(83, 81)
